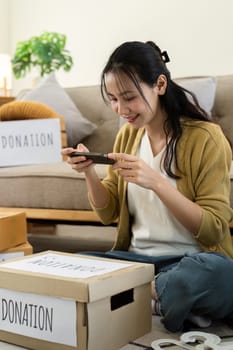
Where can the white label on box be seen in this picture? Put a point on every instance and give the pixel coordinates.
(25, 142)
(66, 266)
(41, 317)
(7, 256)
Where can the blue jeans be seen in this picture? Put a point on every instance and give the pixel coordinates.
(200, 283)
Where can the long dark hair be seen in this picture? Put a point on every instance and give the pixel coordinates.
(145, 62)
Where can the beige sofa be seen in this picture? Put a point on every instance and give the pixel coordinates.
(54, 196)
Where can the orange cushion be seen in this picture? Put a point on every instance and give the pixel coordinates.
(17, 110)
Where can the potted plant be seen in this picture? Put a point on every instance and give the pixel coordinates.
(46, 52)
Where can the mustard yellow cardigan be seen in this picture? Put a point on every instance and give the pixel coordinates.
(204, 159)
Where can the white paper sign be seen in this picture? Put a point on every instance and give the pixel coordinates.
(30, 142)
(7, 256)
(38, 316)
(65, 266)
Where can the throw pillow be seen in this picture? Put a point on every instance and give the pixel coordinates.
(203, 87)
(50, 93)
(19, 110)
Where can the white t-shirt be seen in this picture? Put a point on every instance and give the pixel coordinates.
(155, 231)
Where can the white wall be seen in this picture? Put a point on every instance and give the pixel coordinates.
(4, 30)
(197, 34)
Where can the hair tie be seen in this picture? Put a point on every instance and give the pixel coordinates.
(165, 57)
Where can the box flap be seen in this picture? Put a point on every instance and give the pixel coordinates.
(7, 214)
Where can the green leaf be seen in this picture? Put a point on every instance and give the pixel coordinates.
(47, 52)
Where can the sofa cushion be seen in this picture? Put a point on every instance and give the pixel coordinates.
(54, 186)
(223, 106)
(53, 95)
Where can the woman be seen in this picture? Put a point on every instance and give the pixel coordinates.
(168, 188)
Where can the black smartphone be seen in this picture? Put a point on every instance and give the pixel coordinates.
(98, 158)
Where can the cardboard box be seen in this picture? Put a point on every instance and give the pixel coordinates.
(15, 252)
(64, 301)
(13, 229)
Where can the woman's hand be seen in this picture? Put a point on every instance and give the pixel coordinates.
(80, 163)
(97, 193)
(134, 169)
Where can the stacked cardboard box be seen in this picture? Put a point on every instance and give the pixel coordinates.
(13, 236)
(55, 300)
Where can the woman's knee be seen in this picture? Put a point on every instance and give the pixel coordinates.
(198, 283)
(198, 273)
(213, 268)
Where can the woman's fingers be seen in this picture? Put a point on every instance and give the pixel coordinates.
(67, 151)
(78, 163)
(123, 160)
(123, 157)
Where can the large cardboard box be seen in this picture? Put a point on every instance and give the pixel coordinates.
(13, 229)
(64, 301)
(15, 252)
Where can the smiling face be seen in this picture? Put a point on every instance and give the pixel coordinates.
(139, 108)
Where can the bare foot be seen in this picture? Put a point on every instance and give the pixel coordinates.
(153, 292)
(153, 298)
